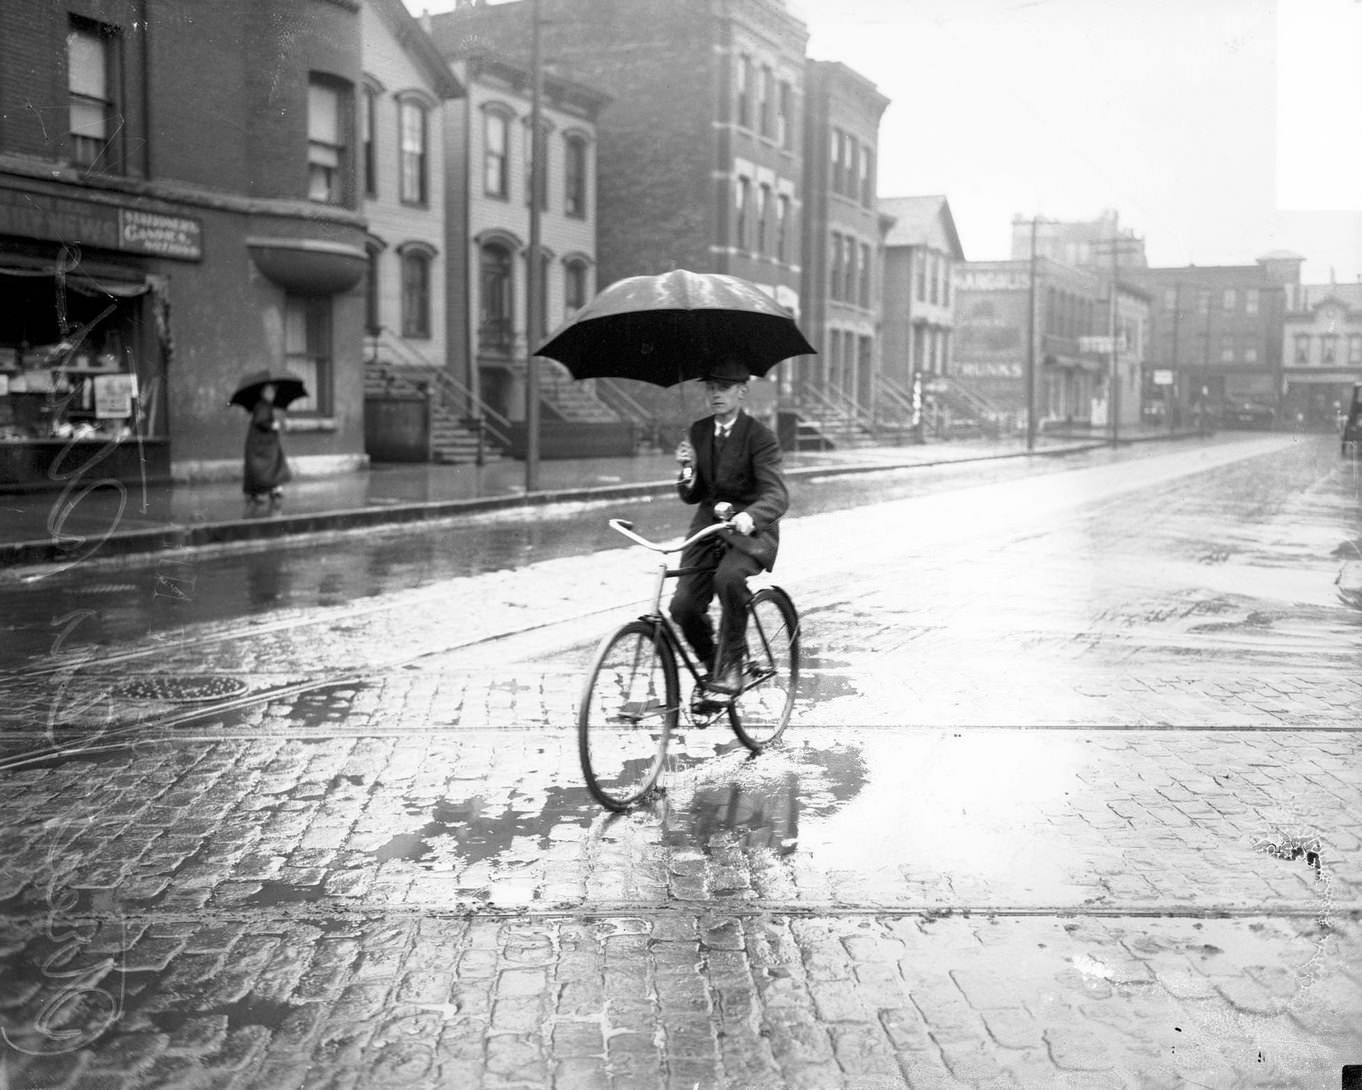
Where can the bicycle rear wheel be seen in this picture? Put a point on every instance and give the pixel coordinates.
(761, 711)
(629, 708)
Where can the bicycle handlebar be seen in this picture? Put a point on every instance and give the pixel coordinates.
(622, 526)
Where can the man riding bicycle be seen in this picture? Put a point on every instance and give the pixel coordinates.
(728, 458)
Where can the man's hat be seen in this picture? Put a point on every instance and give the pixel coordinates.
(727, 368)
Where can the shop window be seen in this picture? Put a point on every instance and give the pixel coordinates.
(325, 142)
(92, 78)
(495, 328)
(412, 121)
(574, 177)
(496, 131)
(307, 350)
(416, 262)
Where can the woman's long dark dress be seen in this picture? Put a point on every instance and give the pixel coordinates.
(266, 466)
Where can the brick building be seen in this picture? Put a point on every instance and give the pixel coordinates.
(699, 155)
(187, 211)
(1218, 329)
(1321, 353)
(842, 238)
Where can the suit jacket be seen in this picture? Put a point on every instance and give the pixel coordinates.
(747, 475)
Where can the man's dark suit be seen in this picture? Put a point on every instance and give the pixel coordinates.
(747, 475)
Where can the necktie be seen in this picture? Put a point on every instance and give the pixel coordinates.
(720, 434)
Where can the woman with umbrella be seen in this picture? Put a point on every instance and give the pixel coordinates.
(266, 471)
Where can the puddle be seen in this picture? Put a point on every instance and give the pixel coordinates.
(282, 893)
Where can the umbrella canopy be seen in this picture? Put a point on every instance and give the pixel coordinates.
(287, 389)
(668, 328)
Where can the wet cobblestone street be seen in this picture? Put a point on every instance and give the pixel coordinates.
(1071, 799)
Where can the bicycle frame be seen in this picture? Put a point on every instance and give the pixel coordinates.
(655, 616)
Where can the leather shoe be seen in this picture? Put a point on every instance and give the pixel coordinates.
(727, 679)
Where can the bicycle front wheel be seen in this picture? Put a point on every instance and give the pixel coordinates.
(629, 708)
(761, 711)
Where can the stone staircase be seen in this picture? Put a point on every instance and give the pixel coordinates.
(454, 438)
(571, 399)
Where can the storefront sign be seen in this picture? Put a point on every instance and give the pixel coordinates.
(988, 370)
(113, 396)
(103, 226)
(991, 279)
(1163, 378)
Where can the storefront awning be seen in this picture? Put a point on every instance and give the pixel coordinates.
(308, 266)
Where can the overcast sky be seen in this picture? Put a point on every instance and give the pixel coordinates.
(1218, 129)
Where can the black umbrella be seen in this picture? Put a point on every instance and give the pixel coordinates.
(287, 389)
(668, 328)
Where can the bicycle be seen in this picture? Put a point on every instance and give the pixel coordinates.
(631, 702)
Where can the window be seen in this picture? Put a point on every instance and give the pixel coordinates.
(412, 124)
(496, 129)
(495, 331)
(529, 165)
(763, 216)
(368, 108)
(416, 292)
(920, 274)
(1226, 348)
(1203, 300)
(934, 278)
(372, 321)
(852, 167)
(91, 79)
(307, 349)
(867, 177)
(863, 288)
(1355, 348)
(574, 287)
(1250, 352)
(782, 225)
(835, 269)
(768, 101)
(744, 75)
(784, 114)
(1328, 349)
(945, 282)
(1230, 300)
(1302, 348)
(836, 138)
(848, 292)
(574, 177)
(325, 143)
(1251, 301)
(743, 192)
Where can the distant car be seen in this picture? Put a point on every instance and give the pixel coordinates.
(1248, 414)
(1352, 426)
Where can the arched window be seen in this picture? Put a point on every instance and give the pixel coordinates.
(496, 152)
(496, 298)
(574, 175)
(416, 261)
(413, 133)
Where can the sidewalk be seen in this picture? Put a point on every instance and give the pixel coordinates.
(50, 527)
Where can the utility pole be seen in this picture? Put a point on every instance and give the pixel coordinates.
(534, 288)
(1031, 346)
(1114, 376)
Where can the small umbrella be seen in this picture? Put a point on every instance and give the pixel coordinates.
(287, 388)
(665, 329)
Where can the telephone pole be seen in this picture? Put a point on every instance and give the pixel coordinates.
(1115, 242)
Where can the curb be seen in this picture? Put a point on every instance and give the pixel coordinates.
(199, 535)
